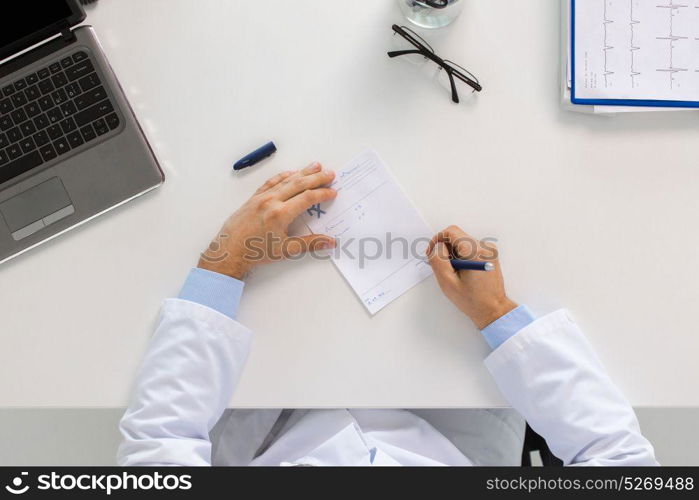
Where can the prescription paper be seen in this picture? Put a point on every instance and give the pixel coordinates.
(381, 237)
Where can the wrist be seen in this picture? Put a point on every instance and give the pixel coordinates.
(492, 312)
(234, 268)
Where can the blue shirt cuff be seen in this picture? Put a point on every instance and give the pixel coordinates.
(506, 326)
(217, 291)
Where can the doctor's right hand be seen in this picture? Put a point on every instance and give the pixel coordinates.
(257, 233)
(480, 295)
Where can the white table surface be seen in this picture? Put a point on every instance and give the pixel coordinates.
(592, 213)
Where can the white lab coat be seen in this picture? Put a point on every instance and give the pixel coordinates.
(547, 371)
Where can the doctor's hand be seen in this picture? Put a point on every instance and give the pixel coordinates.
(480, 295)
(258, 232)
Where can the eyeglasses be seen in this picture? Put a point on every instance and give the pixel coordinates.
(422, 48)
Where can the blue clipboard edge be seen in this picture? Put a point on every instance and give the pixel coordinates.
(613, 102)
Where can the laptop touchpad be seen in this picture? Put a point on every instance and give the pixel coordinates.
(36, 208)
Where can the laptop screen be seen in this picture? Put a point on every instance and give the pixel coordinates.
(31, 21)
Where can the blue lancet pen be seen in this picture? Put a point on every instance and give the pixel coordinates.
(471, 265)
(256, 156)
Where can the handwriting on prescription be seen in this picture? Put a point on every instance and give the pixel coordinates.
(375, 298)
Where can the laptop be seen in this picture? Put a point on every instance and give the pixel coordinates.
(70, 146)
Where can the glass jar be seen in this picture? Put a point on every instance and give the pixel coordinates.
(431, 14)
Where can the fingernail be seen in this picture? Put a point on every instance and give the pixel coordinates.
(312, 168)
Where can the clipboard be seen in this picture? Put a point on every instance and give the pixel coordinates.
(613, 102)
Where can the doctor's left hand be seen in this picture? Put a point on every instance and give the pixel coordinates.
(257, 233)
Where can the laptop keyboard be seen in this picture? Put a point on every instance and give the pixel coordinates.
(48, 113)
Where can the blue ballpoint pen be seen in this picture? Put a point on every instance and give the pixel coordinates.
(256, 156)
(471, 265)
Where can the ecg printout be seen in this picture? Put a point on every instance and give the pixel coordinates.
(637, 49)
(370, 211)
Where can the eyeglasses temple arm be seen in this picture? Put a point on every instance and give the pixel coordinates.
(397, 53)
(475, 85)
(454, 93)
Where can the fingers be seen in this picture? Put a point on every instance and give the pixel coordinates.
(311, 177)
(312, 242)
(461, 244)
(296, 205)
(439, 258)
(275, 180)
